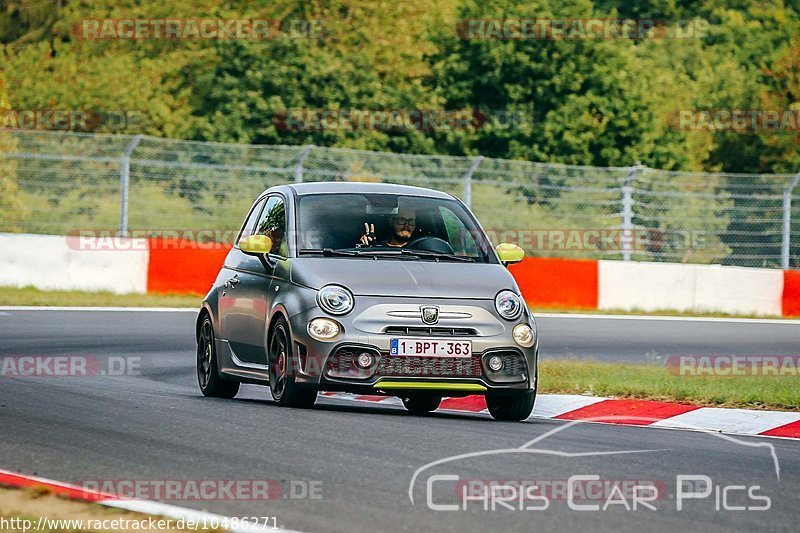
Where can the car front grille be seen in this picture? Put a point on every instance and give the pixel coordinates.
(340, 365)
(423, 331)
(392, 365)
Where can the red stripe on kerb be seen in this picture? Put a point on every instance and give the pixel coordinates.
(473, 404)
(629, 412)
(370, 397)
(789, 430)
(72, 492)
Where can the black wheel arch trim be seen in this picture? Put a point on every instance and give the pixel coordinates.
(205, 309)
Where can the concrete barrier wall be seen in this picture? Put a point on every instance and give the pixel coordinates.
(738, 289)
(654, 286)
(53, 262)
(646, 286)
(159, 266)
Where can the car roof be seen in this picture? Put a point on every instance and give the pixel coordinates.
(321, 187)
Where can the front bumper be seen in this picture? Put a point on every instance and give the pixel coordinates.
(329, 365)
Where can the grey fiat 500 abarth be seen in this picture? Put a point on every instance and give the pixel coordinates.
(368, 288)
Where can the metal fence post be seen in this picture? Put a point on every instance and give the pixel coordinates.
(298, 167)
(124, 183)
(626, 238)
(787, 221)
(468, 180)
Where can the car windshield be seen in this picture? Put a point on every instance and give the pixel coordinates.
(389, 226)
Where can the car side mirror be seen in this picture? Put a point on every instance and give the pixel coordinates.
(255, 245)
(509, 253)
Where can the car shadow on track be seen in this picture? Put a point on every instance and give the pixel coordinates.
(360, 408)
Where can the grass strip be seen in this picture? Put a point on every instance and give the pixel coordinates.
(655, 382)
(31, 296)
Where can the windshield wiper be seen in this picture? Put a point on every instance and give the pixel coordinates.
(436, 255)
(367, 252)
(358, 252)
(327, 252)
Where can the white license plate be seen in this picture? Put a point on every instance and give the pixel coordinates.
(429, 347)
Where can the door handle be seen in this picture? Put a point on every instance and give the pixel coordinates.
(231, 283)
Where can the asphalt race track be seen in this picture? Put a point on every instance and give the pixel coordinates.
(347, 466)
(632, 340)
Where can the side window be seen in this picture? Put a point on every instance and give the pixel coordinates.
(247, 227)
(460, 239)
(273, 224)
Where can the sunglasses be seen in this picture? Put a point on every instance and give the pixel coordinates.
(405, 221)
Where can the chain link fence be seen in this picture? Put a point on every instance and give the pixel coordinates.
(64, 183)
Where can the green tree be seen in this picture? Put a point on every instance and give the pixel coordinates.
(12, 212)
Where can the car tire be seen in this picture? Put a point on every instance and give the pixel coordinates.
(420, 405)
(282, 384)
(211, 383)
(512, 408)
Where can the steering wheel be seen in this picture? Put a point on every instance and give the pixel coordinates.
(431, 244)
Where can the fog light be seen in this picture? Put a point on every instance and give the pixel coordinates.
(495, 363)
(523, 335)
(364, 360)
(323, 329)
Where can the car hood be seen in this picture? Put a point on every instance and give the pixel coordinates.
(387, 277)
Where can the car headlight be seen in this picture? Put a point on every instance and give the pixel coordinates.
(523, 335)
(508, 304)
(335, 299)
(324, 329)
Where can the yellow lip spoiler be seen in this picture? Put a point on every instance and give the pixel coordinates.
(385, 384)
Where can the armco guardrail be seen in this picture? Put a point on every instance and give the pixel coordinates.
(58, 183)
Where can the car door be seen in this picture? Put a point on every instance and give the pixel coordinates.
(230, 269)
(245, 295)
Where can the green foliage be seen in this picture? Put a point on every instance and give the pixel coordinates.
(592, 102)
(602, 102)
(12, 211)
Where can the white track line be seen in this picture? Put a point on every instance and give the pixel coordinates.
(567, 316)
(103, 309)
(154, 508)
(183, 513)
